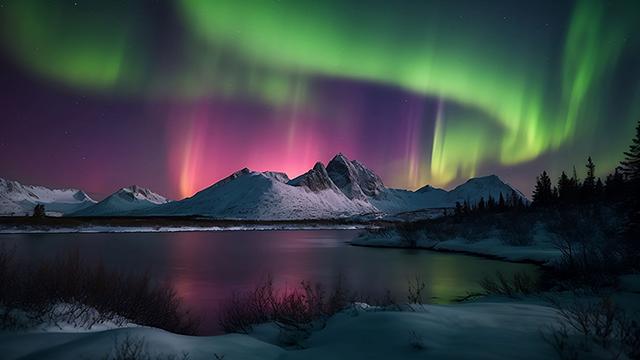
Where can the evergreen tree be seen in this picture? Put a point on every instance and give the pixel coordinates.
(491, 203)
(589, 184)
(598, 190)
(38, 211)
(614, 184)
(630, 168)
(631, 164)
(501, 204)
(564, 188)
(542, 194)
(481, 205)
(458, 210)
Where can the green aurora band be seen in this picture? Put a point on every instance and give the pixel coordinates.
(509, 104)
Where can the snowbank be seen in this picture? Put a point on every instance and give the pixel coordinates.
(541, 250)
(463, 331)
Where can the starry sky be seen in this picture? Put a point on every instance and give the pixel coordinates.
(175, 95)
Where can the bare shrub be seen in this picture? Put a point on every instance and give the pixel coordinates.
(135, 348)
(591, 253)
(521, 283)
(415, 288)
(586, 325)
(67, 289)
(296, 312)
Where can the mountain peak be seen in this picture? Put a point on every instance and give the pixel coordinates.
(17, 198)
(316, 179)
(354, 179)
(135, 192)
(339, 157)
(485, 186)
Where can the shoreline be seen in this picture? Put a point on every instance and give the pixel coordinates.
(540, 263)
(58, 225)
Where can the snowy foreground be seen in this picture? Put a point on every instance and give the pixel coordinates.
(542, 250)
(490, 330)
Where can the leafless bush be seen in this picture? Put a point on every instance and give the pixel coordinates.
(67, 289)
(135, 348)
(586, 325)
(591, 253)
(415, 288)
(520, 283)
(295, 311)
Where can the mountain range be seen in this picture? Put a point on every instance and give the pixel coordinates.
(19, 199)
(343, 188)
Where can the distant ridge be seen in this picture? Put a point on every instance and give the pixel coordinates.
(124, 201)
(342, 189)
(20, 199)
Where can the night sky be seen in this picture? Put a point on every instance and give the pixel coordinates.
(175, 95)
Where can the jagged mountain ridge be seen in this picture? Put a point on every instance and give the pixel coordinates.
(344, 188)
(20, 199)
(262, 196)
(123, 202)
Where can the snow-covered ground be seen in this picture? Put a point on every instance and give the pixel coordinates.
(542, 249)
(490, 330)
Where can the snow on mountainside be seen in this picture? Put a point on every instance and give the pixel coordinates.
(484, 186)
(19, 199)
(124, 201)
(353, 178)
(344, 188)
(249, 194)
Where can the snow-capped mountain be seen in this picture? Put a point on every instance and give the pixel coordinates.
(19, 199)
(123, 202)
(482, 187)
(343, 188)
(250, 194)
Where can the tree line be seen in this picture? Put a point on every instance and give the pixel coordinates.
(621, 184)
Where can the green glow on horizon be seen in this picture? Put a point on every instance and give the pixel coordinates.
(506, 88)
(503, 99)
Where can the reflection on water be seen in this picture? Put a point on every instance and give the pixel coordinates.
(207, 267)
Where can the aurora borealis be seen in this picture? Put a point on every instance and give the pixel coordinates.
(175, 95)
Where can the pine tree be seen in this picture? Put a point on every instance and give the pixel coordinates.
(598, 190)
(542, 194)
(481, 205)
(466, 209)
(588, 186)
(630, 168)
(501, 204)
(458, 210)
(613, 184)
(631, 164)
(564, 188)
(38, 211)
(491, 203)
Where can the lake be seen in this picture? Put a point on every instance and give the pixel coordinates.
(205, 268)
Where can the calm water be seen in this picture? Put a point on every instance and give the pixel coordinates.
(207, 267)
